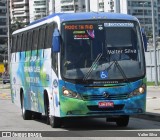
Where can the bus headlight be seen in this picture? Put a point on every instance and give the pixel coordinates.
(71, 94)
(138, 91)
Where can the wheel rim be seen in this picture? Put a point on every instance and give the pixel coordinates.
(23, 109)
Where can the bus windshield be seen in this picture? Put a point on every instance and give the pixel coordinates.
(91, 48)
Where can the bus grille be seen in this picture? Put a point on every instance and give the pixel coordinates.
(96, 108)
(101, 97)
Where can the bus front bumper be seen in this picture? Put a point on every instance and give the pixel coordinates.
(71, 107)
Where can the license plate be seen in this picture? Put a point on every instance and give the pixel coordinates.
(105, 104)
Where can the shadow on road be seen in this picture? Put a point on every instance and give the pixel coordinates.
(87, 124)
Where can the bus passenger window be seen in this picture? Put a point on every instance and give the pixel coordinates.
(14, 40)
(35, 39)
(30, 39)
(19, 43)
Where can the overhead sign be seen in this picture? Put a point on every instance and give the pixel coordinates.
(79, 27)
(118, 25)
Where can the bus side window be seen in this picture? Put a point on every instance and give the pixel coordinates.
(50, 34)
(35, 39)
(43, 37)
(14, 42)
(46, 37)
(25, 43)
(21, 49)
(30, 39)
(40, 40)
(54, 55)
(50, 29)
(19, 37)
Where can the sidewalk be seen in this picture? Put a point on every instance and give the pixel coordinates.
(152, 103)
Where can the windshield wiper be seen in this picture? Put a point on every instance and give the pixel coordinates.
(93, 66)
(122, 72)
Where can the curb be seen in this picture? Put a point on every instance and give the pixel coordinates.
(149, 116)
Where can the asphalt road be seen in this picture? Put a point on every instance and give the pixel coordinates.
(11, 120)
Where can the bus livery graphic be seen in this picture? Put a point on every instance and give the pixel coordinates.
(79, 65)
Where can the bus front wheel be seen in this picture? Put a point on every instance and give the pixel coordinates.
(55, 122)
(26, 114)
(122, 121)
(52, 120)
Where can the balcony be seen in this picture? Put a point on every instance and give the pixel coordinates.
(19, 2)
(21, 9)
(21, 14)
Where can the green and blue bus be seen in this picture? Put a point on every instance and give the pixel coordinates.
(79, 65)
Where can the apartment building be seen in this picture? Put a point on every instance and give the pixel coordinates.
(105, 6)
(66, 6)
(139, 8)
(143, 11)
(38, 9)
(3, 22)
(19, 10)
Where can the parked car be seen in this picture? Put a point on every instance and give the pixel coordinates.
(5, 78)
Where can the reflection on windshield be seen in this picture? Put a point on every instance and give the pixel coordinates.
(88, 53)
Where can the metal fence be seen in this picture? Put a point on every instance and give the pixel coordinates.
(150, 64)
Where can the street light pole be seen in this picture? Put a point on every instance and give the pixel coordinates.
(154, 43)
(143, 3)
(8, 25)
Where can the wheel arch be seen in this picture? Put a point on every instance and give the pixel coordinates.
(21, 95)
(46, 99)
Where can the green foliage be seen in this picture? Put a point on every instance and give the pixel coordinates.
(17, 25)
(152, 83)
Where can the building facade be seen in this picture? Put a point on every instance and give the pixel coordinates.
(139, 8)
(3, 22)
(143, 11)
(31, 10)
(19, 11)
(38, 9)
(66, 6)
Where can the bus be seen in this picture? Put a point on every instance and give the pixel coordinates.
(79, 65)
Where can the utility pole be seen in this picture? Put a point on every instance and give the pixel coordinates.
(8, 26)
(154, 43)
(74, 6)
(97, 5)
(143, 3)
(87, 5)
(47, 7)
(53, 8)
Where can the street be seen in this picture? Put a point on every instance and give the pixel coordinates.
(11, 120)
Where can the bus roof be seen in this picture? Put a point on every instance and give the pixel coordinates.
(88, 15)
(80, 16)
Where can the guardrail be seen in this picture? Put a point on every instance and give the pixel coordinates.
(150, 64)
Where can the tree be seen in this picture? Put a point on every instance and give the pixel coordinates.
(17, 25)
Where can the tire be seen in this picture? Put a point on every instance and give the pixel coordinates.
(55, 122)
(46, 103)
(122, 121)
(52, 120)
(37, 115)
(26, 114)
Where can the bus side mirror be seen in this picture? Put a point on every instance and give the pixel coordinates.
(56, 41)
